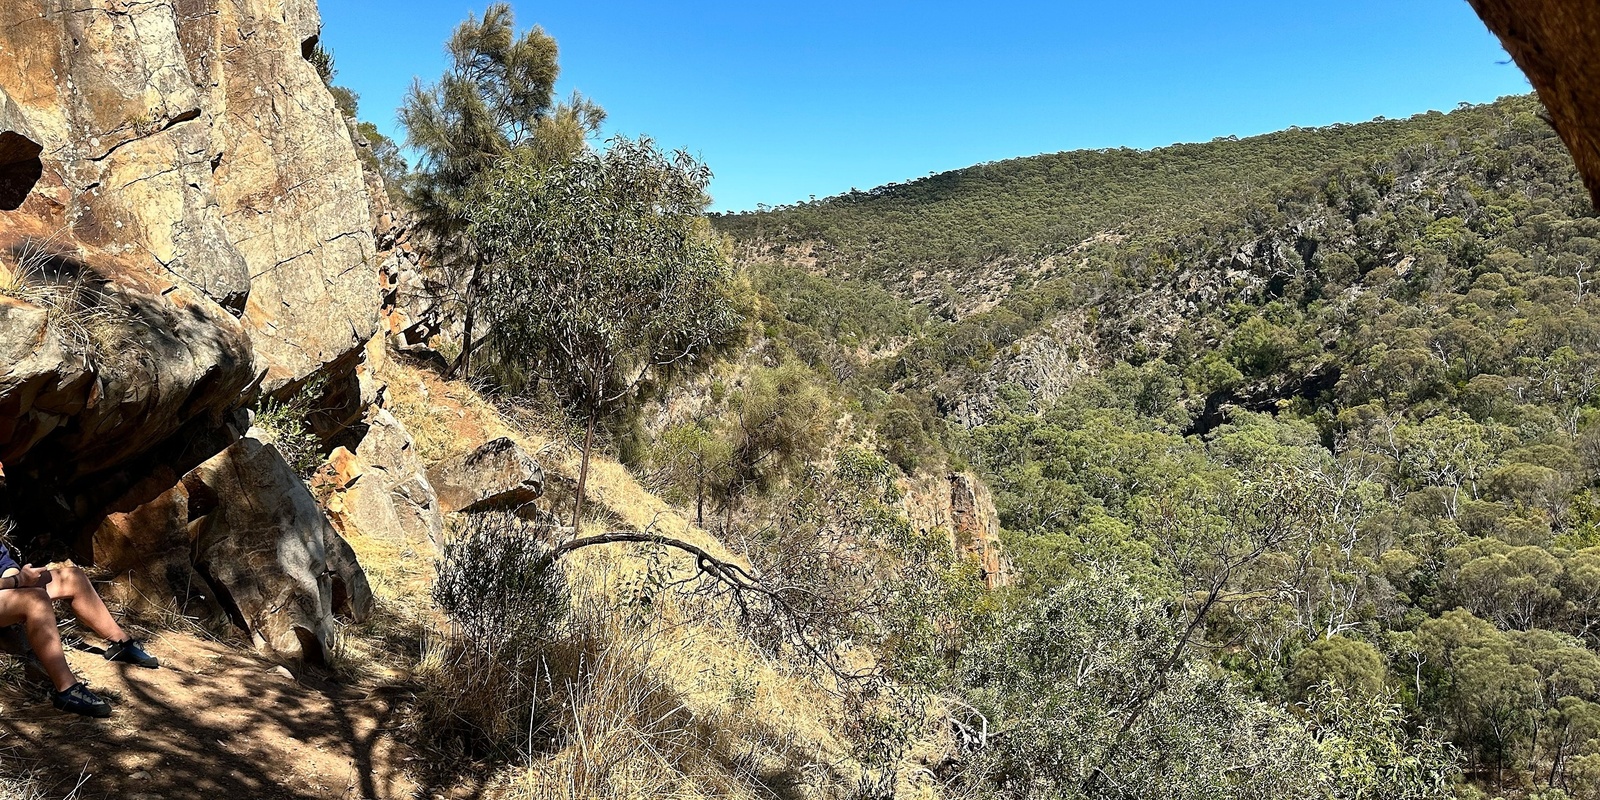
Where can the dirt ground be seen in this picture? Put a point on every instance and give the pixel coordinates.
(213, 723)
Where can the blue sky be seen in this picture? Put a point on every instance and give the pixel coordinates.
(786, 101)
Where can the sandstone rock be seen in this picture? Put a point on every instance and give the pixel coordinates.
(961, 506)
(186, 158)
(976, 526)
(496, 476)
(388, 451)
(269, 552)
(291, 192)
(99, 362)
(355, 499)
(141, 535)
(347, 395)
(415, 299)
(183, 220)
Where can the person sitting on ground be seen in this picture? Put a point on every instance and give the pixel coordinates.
(28, 595)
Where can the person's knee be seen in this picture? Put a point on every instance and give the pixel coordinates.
(29, 606)
(35, 603)
(68, 583)
(70, 576)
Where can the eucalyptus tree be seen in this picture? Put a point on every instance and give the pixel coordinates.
(496, 96)
(606, 274)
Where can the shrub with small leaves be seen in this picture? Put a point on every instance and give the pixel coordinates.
(503, 600)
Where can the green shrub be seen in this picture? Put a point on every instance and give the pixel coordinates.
(503, 601)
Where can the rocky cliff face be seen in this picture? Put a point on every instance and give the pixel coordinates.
(960, 505)
(183, 223)
(192, 169)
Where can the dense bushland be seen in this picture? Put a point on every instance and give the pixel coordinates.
(1393, 321)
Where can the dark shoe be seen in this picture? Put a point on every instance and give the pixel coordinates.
(129, 652)
(79, 700)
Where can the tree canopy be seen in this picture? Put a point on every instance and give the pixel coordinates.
(606, 274)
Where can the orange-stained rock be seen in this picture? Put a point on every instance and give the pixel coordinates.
(390, 456)
(356, 504)
(381, 489)
(146, 534)
(340, 472)
(959, 505)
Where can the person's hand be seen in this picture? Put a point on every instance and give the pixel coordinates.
(32, 577)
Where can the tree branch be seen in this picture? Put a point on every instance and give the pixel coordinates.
(731, 575)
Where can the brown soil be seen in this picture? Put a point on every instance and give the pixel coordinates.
(213, 723)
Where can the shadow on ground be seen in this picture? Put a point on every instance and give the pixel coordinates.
(212, 724)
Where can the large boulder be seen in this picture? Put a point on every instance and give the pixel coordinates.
(145, 535)
(100, 362)
(182, 167)
(291, 191)
(268, 551)
(381, 489)
(498, 476)
(354, 500)
(184, 223)
(391, 456)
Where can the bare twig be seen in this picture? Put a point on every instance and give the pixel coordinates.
(733, 576)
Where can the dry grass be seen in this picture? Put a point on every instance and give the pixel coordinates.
(644, 691)
(21, 780)
(445, 418)
(84, 317)
(387, 647)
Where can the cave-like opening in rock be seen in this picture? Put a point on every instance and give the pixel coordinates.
(20, 168)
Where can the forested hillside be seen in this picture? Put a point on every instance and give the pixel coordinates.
(953, 230)
(1294, 438)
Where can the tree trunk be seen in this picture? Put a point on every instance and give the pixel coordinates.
(700, 502)
(463, 364)
(583, 476)
(464, 361)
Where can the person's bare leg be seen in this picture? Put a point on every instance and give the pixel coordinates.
(70, 584)
(33, 608)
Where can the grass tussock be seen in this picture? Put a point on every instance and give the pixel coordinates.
(612, 677)
(81, 309)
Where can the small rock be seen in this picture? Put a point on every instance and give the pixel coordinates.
(141, 775)
(496, 476)
(283, 672)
